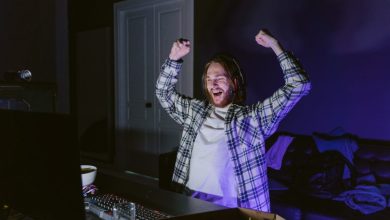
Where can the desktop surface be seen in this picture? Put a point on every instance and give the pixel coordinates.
(115, 184)
(174, 204)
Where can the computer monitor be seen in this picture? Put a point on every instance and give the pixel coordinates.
(40, 165)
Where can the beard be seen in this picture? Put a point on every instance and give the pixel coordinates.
(221, 98)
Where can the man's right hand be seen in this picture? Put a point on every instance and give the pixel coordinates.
(265, 39)
(179, 49)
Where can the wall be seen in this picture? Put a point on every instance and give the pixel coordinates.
(27, 39)
(92, 72)
(34, 36)
(342, 45)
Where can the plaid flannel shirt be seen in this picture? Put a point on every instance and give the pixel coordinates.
(246, 128)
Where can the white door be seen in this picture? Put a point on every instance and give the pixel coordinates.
(144, 35)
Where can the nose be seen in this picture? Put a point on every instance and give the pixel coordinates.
(212, 82)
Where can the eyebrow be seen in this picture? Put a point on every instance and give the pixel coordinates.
(218, 75)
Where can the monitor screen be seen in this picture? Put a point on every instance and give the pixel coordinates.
(40, 165)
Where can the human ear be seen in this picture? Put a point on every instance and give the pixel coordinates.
(235, 85)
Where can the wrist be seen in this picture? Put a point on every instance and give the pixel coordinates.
(179, 60)
(277, 48)
(174, 58)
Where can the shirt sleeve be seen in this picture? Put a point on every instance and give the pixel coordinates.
(297, 84)
(175, 104)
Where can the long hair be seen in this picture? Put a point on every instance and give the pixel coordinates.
(233, 70)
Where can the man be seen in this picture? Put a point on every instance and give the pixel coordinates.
(221, 157)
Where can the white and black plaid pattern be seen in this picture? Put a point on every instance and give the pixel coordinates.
(246, 128)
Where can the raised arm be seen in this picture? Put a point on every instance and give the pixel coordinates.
(175, 104)
(273, 109)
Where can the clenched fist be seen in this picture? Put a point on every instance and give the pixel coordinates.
(179, 49)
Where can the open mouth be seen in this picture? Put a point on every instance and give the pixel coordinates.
(217, 94)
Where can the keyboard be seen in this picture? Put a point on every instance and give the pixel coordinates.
(109, 207)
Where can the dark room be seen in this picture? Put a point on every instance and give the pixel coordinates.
(194, 109)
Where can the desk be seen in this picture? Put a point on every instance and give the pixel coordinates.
(180, 206)
(175, 204)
